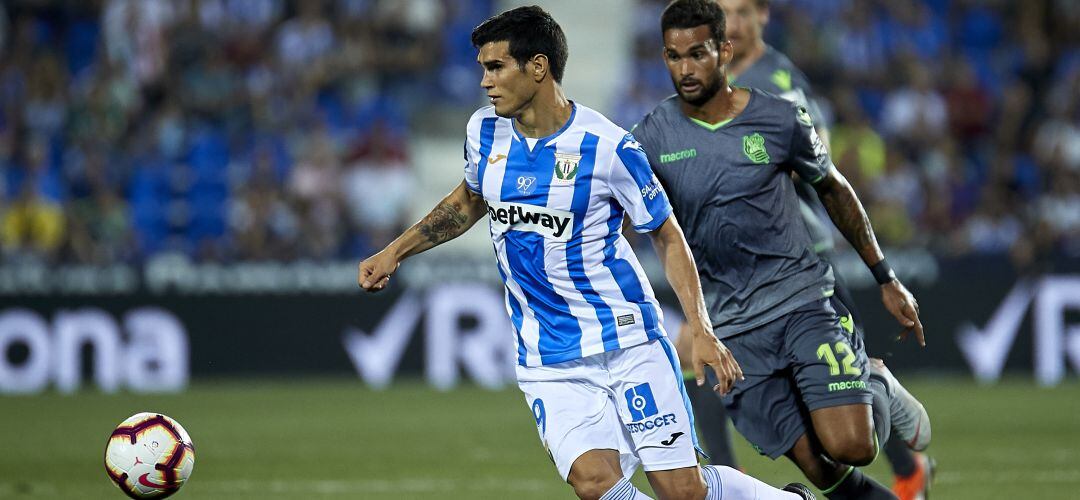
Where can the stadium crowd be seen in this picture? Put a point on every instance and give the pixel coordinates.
(223, 129)
(271, 130)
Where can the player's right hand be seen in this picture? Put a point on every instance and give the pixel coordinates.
(708, 350)
(374, 272)
(903, 306)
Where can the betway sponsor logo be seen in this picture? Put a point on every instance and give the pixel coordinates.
(551, 223)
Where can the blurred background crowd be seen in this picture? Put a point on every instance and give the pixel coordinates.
(223, 129)
(236, 130)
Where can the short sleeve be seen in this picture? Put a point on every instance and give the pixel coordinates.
(636, 188)
(473, 172)
(472, 179)
(808, 156)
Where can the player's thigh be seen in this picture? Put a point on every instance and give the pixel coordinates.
(831, 372)
(684, 482)
(646, 386)
(765, 406)
(572, 410)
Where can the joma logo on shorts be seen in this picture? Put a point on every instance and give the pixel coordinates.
(844, 386)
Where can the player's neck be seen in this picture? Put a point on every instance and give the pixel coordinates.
(545, 115)
(725, 105)
(751, 56)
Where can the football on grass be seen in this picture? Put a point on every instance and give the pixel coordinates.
(149, 455)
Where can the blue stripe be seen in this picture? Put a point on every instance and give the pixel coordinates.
(575, 262)
(714, 481)
(622, 490)
(637, 164)
(670, 351)
(560, 333)
(516, 315)
(625, 276)
(487, 139)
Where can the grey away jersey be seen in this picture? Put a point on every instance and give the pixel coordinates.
(731, 189)
(773, 72)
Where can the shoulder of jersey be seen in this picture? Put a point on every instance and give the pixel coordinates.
(482, 113)
(766, 99)
(660, 114)
(599, 125)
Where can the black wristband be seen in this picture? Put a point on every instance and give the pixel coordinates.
(882, 272)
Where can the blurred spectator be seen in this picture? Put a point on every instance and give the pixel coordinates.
(378, 186)
(916, 112)
(314, 186)
(305, 39)
(33, 223)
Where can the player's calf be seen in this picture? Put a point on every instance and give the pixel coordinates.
(595, 473)
(684, 483)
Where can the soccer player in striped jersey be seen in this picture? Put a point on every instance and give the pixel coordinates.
(555, 180)
(726, 156)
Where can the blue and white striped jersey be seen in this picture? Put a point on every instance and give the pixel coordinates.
(574, 287)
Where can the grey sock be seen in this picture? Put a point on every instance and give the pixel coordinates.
(880, 409)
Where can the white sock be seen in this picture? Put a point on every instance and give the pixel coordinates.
(725, 482)
(624, 490)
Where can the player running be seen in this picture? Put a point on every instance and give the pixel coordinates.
(757, 65)
(555, 180)
(725, 156)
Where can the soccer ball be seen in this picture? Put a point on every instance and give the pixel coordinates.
(149, 455)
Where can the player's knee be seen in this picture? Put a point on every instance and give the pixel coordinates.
(592, 485)
(857, 452)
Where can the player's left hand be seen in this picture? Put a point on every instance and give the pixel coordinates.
(374, 273)
(902, 305)
(708, 350)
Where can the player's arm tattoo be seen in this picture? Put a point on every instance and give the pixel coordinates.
(445, 222)
(455, 214)
(847, 212)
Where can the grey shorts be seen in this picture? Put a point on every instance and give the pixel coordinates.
(810, 358)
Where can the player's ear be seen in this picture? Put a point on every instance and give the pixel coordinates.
(726, 52)
(539, 67)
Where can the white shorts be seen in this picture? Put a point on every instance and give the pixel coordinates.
(631, 400)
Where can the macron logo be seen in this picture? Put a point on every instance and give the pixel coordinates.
(549, 222)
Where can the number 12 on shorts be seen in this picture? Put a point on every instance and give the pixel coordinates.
(825, 352)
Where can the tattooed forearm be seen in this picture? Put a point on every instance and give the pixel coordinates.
(445, 222)
(850, 218)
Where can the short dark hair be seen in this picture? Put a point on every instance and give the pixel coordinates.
(530, 31)
(682, 14)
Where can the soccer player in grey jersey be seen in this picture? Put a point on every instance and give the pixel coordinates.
(725, 156)
(758, 65)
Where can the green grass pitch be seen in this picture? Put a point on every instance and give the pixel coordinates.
(335, 439)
